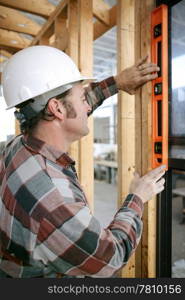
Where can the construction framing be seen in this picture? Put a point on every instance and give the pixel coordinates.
(66, 28)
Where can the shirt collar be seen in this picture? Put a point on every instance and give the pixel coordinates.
(48, 151)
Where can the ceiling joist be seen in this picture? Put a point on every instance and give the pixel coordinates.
(39, 7)
(13, 40)
(11, 19)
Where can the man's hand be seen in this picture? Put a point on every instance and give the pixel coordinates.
(130, 79)
(148, 185)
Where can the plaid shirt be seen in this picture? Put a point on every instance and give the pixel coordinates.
(46, 226)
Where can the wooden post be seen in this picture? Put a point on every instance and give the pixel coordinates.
(149, 217)
(86, 67)
(126, 108)
(130, 49)
(138, 127)
(61, 32)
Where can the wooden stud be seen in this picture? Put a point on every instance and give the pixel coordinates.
(149, 217)
(126, 108)
(86, 170)
(138, 129)
(61, 31)
(13, 20)
(42, 7)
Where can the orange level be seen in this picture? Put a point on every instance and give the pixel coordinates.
(159, 54)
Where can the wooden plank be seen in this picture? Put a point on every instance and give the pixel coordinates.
(138, 126)
(13, 39)
(100, 28)
(50, 21)
(61, 30)
(101, 11)
(73, 51)
(126, 108)
(42, 7)
(13, 20)
(149, 217)
(86, 170)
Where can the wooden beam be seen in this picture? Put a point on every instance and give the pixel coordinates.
(101, 11)
(86, 174)
(50, 21)
(11, 49)
(61, 30)
(100, 28)
(149, 217)
(42, 7)
(12, 39)
(13, 20)
(138, 121)
(126, 108)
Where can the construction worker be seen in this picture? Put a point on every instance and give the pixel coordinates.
(46, 226)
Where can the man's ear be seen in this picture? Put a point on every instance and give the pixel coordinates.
(55, 108)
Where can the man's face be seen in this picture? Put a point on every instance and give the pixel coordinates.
(75, 122)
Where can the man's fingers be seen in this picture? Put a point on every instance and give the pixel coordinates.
(159, 190)
(159, 171)
(149, 70)
(157, 176)
(147, 65)
(161, 182)
(148, 77)
(141, 61)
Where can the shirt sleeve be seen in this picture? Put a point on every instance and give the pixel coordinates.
(71, 240)
(97, 92)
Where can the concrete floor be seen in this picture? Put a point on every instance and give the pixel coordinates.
(105, 208)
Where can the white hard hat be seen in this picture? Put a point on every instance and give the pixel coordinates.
(36, 71)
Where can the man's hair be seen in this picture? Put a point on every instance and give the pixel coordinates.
(29, 119)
